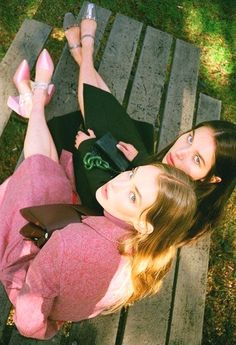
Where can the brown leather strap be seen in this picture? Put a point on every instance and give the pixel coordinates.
(45, 219)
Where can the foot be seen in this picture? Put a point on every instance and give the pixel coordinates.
(43, 76)
(88, 30)
(22, 104)
(73, 38)
(88, 25)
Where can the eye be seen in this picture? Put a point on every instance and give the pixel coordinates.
(131, 173)
(190, 139)
(132, 197)
(197, 159)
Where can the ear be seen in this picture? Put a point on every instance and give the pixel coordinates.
(215, 179)
(143, 227)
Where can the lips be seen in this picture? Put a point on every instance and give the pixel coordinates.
(104, 191)
(169, 159)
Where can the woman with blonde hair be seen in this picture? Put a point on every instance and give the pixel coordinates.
(102, 263)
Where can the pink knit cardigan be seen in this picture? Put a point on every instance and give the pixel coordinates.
(76, 275)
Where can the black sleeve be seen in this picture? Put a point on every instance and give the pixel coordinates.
(88, 181)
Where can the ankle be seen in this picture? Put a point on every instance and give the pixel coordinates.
(87, 40)
(76, 53)
(87, 46)
(39, 94)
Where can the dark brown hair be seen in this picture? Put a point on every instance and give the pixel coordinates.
(212, 197)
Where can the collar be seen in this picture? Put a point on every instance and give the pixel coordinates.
(108, 226)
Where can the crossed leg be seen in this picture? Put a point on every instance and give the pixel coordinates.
(84, 57)
(38, 139)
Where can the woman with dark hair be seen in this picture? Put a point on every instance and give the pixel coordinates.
(216, 184)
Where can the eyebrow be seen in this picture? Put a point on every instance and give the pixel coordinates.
(135, 188)
(197, 151)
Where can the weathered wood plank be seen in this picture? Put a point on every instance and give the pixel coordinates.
(17, 339)
(180, 99)
(119, 54)
(152, 328)
(208, 108)
(188, 309)
(100, 331)
(147, 88)
(5, 307)
(66, 74)
(147, 320)
(26, 45)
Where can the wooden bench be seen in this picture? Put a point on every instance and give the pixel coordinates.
(156, 76)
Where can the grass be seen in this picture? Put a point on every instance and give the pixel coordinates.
(209, 24)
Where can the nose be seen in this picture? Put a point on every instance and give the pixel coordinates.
(120, 183)
(182, 153)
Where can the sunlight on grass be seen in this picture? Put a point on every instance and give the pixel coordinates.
(204, 28)
(12, 16)
(32, 9)
(218, 59)
(58, 34)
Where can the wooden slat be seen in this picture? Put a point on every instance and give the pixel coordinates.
(153, 329)
(145, 97)
(5, 307)
(66, 74)
(147, 320)
(100, 331)
(208, 108)
(188, 310)
(119, 52)
(17, 339)
(26, 45)
(180, 99)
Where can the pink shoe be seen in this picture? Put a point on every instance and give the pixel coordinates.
(19, 103)
(46, 67)
(22, 73)
(45, 62)
(16, 102)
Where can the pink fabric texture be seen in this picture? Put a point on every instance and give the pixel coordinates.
(76, 275)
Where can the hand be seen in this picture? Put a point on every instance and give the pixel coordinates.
(81, 136)
(128, 150)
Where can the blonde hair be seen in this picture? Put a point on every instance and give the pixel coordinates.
(151, 255)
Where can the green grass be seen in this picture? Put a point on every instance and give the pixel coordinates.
(209, 24)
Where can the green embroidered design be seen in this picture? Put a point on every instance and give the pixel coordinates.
(93, 160)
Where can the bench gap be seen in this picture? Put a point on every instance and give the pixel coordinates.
(160, 115)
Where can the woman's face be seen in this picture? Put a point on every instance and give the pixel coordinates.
(193, 153)
(130, 193)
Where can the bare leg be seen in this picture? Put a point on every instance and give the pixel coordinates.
(38, 139)
(84, 58)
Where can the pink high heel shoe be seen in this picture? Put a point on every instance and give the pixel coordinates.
(45, 64)
(21, 104)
